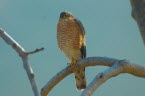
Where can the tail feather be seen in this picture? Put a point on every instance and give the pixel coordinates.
(80, 78)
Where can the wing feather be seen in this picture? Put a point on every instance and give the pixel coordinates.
(83, 33)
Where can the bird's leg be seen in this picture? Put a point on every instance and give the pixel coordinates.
(72, 63)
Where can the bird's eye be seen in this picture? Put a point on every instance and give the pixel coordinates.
(67, 15)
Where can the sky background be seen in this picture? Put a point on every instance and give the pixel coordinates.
(111, 32)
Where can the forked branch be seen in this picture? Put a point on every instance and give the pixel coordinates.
(24, 55)
(119, 67)
(116, 67)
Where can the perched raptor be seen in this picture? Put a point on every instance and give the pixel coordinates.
(71, 41)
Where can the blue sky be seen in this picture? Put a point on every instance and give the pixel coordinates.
(111, 32)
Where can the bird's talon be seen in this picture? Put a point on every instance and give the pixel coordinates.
(70, 69)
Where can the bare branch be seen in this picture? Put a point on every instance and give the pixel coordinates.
(91, 61)
(116, 67)
(35, 51)
(138, 13)
(55, 80)
(24, 55)
(99, 79)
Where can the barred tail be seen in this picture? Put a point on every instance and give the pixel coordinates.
(80, 78)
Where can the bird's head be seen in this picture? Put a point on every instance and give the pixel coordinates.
(65, 15)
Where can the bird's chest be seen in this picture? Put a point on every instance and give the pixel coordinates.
(68, 37)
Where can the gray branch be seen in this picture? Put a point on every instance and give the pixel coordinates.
(138, 13)
(116, 67)
(24, 56)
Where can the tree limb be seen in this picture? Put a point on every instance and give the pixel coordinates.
(24, 56)
(138, 13)
(55, 80)
(116, 67)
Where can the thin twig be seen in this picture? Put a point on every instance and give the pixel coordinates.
(35, 51)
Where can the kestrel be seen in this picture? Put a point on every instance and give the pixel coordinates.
(71, 41)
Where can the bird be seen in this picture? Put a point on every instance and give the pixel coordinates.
(71, 39)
